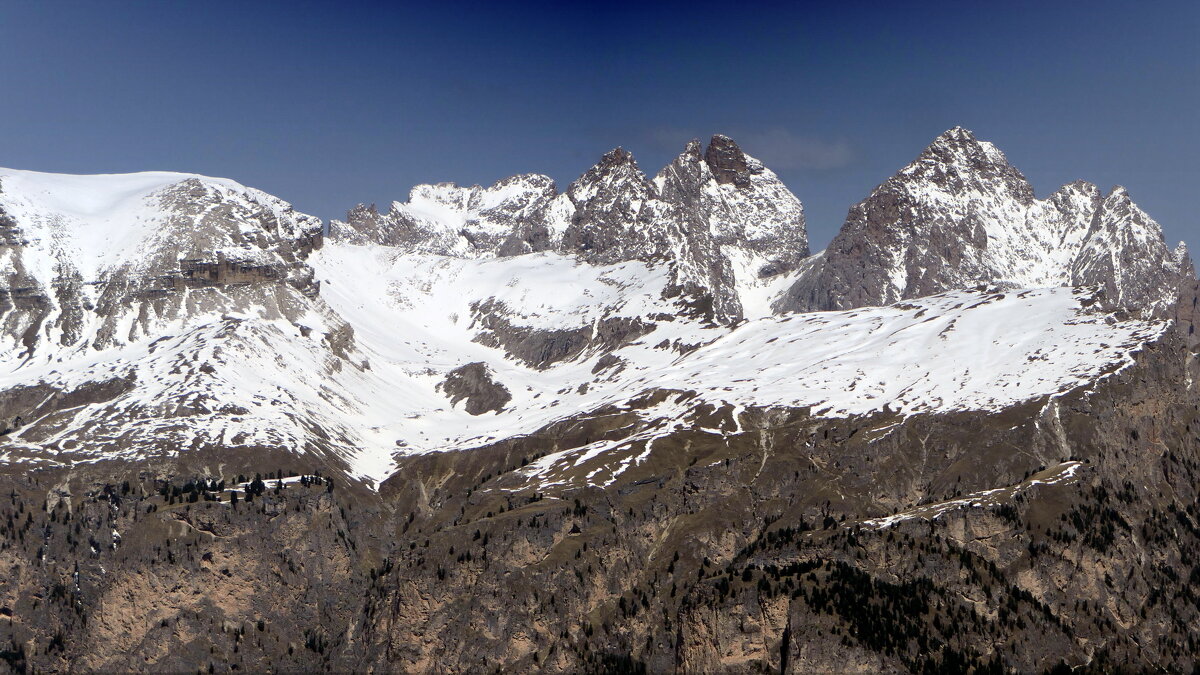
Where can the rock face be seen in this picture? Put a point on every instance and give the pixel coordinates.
(960, 215)
(616, 215)
(474, 384)
(742, 227)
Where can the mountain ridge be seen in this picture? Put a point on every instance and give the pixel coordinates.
(649, 272)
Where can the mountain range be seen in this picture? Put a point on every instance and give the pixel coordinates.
(633, 425)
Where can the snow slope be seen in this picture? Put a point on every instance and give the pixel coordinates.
(95, 221)
(966, 350)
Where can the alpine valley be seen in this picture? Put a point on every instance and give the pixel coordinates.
(635, 425)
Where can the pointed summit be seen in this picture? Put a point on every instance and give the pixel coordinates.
(611, 212)
(962, 141)
(617, 167)
(957, 156)
(1118, 193)
(694, 148)
(957, 134)
(686, 173)
(615, 157)
(1183, 260)
(960, 215)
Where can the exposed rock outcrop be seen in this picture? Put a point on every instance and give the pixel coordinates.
(544, 347)
(474, 384)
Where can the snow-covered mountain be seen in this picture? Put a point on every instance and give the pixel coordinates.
(960, 215)
(149, 315)
(723, 222)
(97, 261)
(446, 219)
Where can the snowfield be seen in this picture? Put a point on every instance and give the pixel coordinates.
(964, 350)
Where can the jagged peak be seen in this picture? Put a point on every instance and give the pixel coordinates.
(435, 191)
(451, 189)
(957, 158)
(1183, 261)
(1119, 193)
(1182, 257)
(1119, 203)
(535, 180)
(617, 156)
(961, 145)
(1078, 194)
(687, 166)
(957, 134)
(616, 166)
(360, 209)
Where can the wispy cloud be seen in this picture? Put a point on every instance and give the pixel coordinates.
(778, 148)
(670, 139)
(782, 149)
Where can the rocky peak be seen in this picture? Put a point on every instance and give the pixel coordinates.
(717, 216)
(689, 172)
(727, 162)
(960, 215)
(521, 184)
(1124, 251)
(448, 219)
(957, 162)
(363, 211)
(1183, 260)
(362, 226)
(614, 213)
(1187, 305)
(617, 175)
(1077, 194)
(618, 156)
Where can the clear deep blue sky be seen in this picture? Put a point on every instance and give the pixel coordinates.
(328, 104)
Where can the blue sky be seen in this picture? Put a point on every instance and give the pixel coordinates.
(328, 104)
